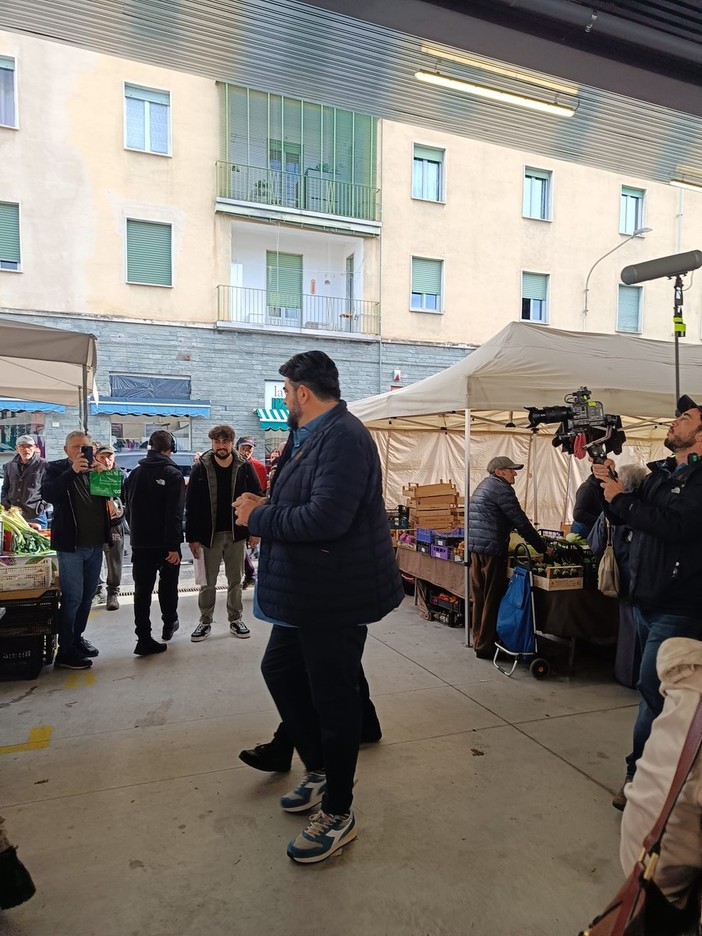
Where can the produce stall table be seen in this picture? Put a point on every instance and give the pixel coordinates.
(440, 572)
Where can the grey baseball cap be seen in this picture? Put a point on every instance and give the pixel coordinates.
(25, 440)
(501, 461)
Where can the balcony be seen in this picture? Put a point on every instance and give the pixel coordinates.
(309, 192)
(250, 307)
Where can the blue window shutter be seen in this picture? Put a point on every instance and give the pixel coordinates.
(534, 285)
(426, 276)
(629, 309)
(9, 232)
(149, 258)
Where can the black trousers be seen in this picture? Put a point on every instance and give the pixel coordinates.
(146, 565)
(313, 677)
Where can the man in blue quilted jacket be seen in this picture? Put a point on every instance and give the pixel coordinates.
(326, 570)
(493, 513)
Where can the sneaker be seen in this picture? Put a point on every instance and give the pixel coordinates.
(86, 649)
(72, 660)
(248, 583)
(169, 630)
(100, 596)
(323, 836)
(307, 794)
(112, 603)
(16, 884)
(147, 645)
(266, 757)
(619, 798)
(239, 629)
(201, 632)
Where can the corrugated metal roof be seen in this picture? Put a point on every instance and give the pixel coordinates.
(320, 55)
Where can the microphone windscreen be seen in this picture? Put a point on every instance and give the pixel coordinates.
(675, 265)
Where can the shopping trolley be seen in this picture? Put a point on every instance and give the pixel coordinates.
(516, 620)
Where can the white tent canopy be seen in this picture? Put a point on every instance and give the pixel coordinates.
(420, 429)
(49, 365)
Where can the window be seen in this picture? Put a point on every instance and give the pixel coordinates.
(629, 309)
(428, 173)
(426, 285)
(535, 297)
(8, 102)
(283, 287)
(9, 236)
(149, 253)
(147, 119)
(631, 210)
(537, 194)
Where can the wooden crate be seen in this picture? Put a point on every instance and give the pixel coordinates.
(548, 582)
(429, 490)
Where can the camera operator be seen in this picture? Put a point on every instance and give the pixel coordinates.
(665, 589)
(493, 513)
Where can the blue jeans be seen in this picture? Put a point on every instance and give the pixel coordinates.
(79, 572)
(653, 628)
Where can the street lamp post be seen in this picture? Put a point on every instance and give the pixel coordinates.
(637, 232)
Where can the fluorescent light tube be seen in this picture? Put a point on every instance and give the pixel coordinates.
(493, 94)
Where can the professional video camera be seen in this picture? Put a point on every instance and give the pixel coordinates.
(585, 428)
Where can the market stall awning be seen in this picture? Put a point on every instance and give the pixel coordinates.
(151, 407)
(30, 406)
(273, 418)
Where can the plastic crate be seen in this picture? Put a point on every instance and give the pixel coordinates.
(22, 657)
(449, 618)
(425, 535)
(423, 548)
(446, 601)
(447, 539)
(439, 552)
(41, 610)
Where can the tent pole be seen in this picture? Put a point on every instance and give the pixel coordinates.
(536, 484)
(85, 398)
(466, 554)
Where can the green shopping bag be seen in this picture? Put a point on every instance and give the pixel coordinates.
(106, 483)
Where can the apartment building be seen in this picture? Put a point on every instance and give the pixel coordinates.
(205, 231)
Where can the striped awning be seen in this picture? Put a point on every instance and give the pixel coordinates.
(30, 406)
(151, 407)
(273, 418)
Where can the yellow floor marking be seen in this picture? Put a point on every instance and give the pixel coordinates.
(80, 679)
(38, 738)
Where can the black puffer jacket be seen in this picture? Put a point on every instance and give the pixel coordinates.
(588, 502)
(326, 554)
(155, 498)
(21, 486)
(493, 513)
(201, 497)
(665, 559)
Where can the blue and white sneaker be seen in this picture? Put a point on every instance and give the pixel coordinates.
(307, 794)
(322, 837)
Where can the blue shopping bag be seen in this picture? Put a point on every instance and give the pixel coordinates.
(515, 625)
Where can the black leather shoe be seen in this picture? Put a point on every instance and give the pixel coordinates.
(169, 630)
(85, 648)
(16, 884)
(147, 645)
(266, 757)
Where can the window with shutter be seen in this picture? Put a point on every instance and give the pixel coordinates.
(426, 285)
(629, 309)
(147, 120)
(631, 209)
(427, 173)
(149, 260)
(283, 287)
(535, 297)
(537, 194)
(8, 92)
(9, 236)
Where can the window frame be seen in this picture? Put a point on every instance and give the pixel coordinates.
(548, 208)
(129, 282)
(439, 310)
(441, 191)
(15, 95)
(640, 293)
(546, 320)
(147, 120)
(18, 268)
(639, 221)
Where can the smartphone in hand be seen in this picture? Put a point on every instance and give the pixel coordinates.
(87, 451)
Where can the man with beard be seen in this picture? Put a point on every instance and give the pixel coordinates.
(665, 589)
(219, 477)
(327, 570)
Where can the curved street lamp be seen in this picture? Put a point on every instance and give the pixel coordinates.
(637, 232)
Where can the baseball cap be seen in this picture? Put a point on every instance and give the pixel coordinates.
(686, 403)
(501, 461)
(105, 450)
(25, 440)
(246, 440)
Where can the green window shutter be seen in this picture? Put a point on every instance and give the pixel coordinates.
(629, 309)
(147, 94)
(630, 209)
(7, 63)
(426, 276)
(284, 280)
(9, 232)
(537, 174)
(635, 192)
(534, 286)
(149, 253)
(428, 152)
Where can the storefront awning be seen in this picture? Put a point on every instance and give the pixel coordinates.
(30, 406)
(151, 407)
(273, 418)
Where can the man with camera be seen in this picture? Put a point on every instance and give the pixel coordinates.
(79, 530)
(665, 515)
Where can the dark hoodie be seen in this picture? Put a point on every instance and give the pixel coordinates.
(155, 497)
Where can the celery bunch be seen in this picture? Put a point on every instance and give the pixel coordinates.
(23, 540)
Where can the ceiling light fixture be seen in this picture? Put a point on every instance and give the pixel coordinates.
(687, 184)
(499, 68)
(493, 94)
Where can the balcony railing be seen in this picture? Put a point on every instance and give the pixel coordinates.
(308, 192)
(328, 313)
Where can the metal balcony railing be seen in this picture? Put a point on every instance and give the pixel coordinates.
(258, 307)
(309, 191)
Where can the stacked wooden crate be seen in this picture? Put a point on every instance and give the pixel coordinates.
(434, 506)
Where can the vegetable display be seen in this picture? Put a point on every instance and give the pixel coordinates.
(23, 540)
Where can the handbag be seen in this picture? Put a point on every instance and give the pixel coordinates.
(608, 578)
(639, 908)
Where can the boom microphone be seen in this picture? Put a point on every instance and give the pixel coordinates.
(675, 265)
